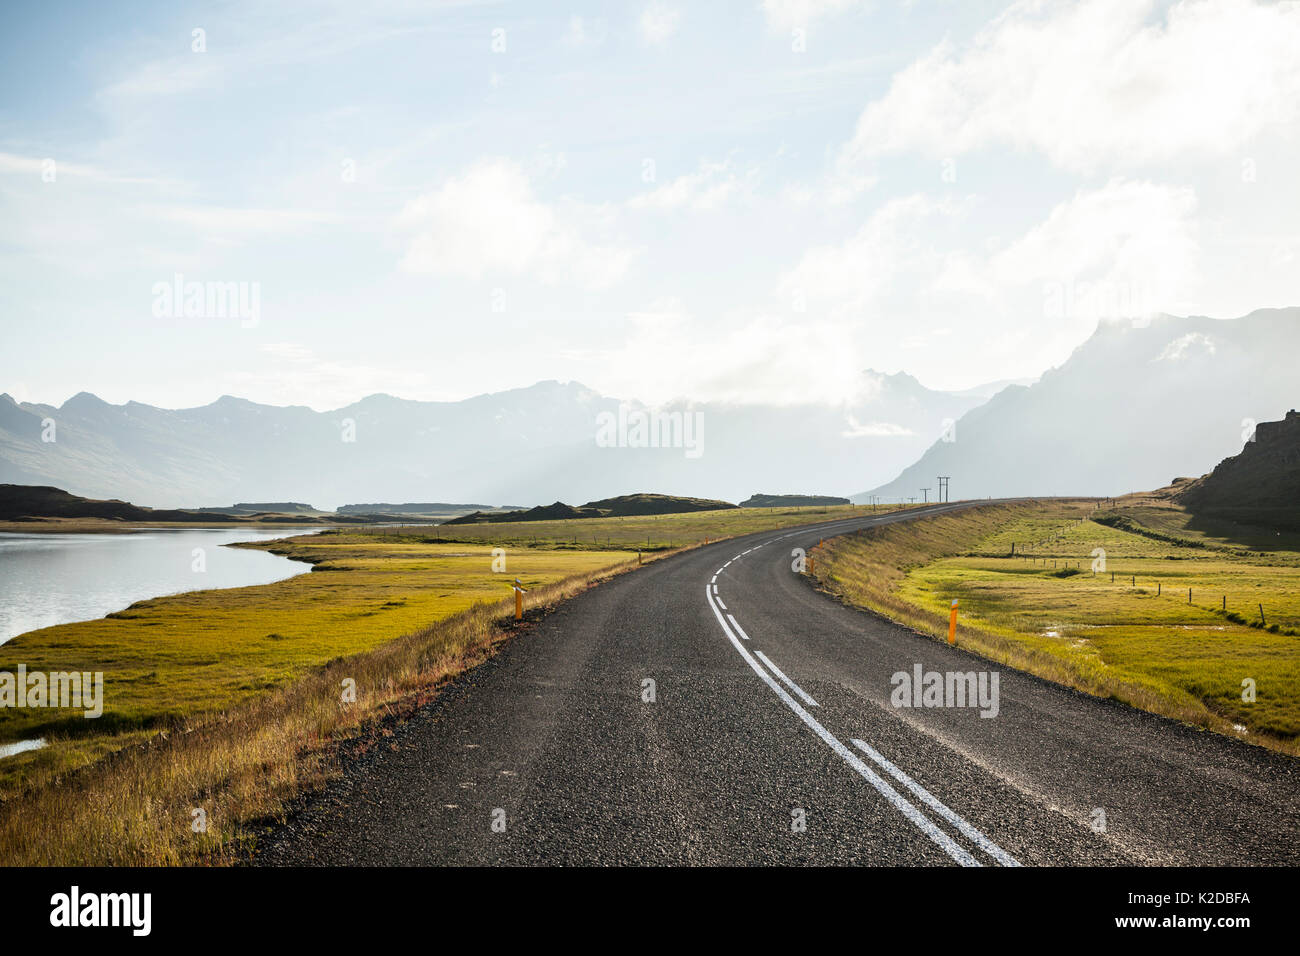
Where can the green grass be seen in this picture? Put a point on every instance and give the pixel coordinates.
(169, 659)
(642, 532)
(1136, 638)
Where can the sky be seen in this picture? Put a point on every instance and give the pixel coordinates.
(750, 202)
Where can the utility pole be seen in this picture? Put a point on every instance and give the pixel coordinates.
(925, 496)
(944, 493)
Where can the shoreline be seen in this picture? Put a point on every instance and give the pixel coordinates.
(111, 526)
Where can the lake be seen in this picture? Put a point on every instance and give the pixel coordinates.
(48, 579)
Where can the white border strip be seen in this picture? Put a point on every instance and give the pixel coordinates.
(787, 681)
(918, 819)
(926, 797)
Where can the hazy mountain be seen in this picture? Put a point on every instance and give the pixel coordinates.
(1131, 409)
(538, 444)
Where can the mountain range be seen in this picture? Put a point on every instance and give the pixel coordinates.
(1134, 407)
(551, 441)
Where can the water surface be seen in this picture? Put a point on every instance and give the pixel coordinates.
(48, 579)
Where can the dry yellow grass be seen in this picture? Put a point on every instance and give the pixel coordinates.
(136, 806)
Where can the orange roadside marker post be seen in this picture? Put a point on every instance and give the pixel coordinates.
(519, 600)
(952, 623)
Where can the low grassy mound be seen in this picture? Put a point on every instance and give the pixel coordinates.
(649, 504)
(558, 511)
(791, 501)
(623, 506)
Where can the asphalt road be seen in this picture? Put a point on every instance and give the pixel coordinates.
(772, 739)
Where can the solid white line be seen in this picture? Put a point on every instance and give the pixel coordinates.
(736, 624)
(983, 842)
(787, 681)
(918, 819)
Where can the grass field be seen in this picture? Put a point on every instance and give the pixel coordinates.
(643, 533)
(230, 701)
(168, 659)
(1128, 631)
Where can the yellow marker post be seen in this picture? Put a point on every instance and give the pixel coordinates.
(952, 623)
(812, 564)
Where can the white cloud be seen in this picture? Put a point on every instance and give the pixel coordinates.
(1100, 82)
(788, 14)
(857, 273)
(857, 429)
(709, 187)
(488, 221)
(1184, 345)
(742, 358)
(658, 22)
(37, 167)
(1125, 250)
(297, 374)
(1122, 250)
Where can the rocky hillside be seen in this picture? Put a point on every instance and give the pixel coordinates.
(1261, 485)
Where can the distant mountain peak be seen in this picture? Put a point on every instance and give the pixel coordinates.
(85, 400)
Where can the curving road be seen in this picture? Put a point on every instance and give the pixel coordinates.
(772, 739)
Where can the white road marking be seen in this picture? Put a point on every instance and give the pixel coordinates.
(714, 580)
(719, 600)
(787, 681)
(926, 797)
(736, 624)
(918, 819)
